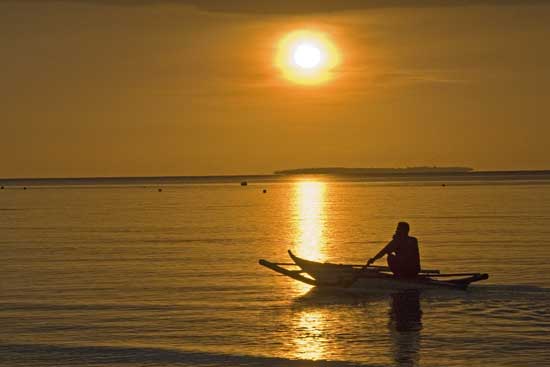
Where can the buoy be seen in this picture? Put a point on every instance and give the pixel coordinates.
(2, 188)
(24, 188)
(160, 190)
(443, 185)
(264, 191)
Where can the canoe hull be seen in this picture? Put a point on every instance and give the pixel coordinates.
(327, 275)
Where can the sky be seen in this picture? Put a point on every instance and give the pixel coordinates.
(174, 87)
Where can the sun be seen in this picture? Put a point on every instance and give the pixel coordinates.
(307, 57)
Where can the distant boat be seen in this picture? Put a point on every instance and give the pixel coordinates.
(244, 183)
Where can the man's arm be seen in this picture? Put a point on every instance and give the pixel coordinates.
(386, 250)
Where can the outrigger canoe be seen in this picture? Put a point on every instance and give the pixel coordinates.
(329, 275)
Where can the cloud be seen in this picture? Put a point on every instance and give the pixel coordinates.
(423, 76)
(307, 6)
(323, 6)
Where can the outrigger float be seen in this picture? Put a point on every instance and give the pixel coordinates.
(329, 275)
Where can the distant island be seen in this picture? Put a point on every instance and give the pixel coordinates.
(375, 171)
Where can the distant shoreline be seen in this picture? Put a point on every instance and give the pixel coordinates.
(374, 171)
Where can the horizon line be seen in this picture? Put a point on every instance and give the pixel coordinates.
(473, 171)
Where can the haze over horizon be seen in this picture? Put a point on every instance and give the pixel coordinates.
(95, 88)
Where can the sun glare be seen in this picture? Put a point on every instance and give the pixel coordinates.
(307, 57)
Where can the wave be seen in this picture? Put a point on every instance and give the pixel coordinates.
(509, 292)
(58, 355)
(510, 288)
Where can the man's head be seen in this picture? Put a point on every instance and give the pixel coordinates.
(402, 228)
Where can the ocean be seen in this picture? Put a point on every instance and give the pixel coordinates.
(164, 272)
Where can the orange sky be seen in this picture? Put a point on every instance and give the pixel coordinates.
(96, 88)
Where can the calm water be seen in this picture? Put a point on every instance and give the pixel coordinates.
(129, 276)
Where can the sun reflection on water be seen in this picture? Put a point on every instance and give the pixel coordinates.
(310, 219)
(310, 341)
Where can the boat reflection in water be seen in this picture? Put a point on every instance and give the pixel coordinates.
(405, 323)
(321, 316)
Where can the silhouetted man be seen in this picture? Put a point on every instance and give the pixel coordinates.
(402, 251)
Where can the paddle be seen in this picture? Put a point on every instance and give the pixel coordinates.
(359, 273)
(451, 275)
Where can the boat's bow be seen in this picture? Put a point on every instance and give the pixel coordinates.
(294, 274)
(326, 273)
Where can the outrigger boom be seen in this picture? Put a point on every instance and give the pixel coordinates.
(369, 278)
(377, 267)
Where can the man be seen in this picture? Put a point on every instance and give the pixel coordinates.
(402, 251)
